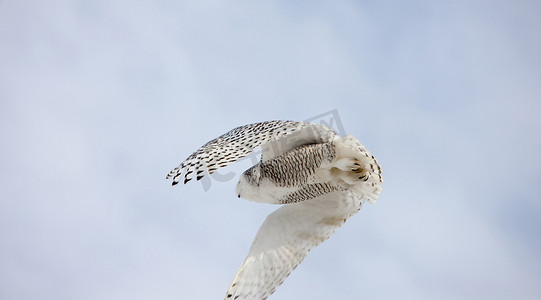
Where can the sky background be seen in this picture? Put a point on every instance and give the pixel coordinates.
(100, 99)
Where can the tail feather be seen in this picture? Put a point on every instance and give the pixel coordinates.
(358, 168)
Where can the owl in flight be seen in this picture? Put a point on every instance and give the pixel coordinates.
(321, 179)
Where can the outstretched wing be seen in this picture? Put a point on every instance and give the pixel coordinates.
(286, 237)
(241, 141)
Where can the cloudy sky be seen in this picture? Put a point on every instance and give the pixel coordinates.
(100, 99)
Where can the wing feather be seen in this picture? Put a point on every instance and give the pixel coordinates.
(241, 141)
(286, 237)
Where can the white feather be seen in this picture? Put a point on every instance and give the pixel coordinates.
(324, 179)
(285, 238)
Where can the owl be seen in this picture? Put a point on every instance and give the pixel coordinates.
(319, 178)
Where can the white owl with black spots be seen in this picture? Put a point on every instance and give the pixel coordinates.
(321, 179)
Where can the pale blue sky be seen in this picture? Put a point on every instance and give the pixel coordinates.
(100, 99)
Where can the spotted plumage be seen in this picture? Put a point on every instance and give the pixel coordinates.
(322, 180)
(309, 191)
(230, 147)
(294, 168)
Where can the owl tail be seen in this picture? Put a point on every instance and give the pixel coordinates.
(356, 168)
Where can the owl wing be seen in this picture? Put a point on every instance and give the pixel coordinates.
(286, 237)
(242, 140)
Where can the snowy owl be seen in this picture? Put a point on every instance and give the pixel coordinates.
(321, 179)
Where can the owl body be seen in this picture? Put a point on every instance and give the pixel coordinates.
(320, 178)
(335, 164)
